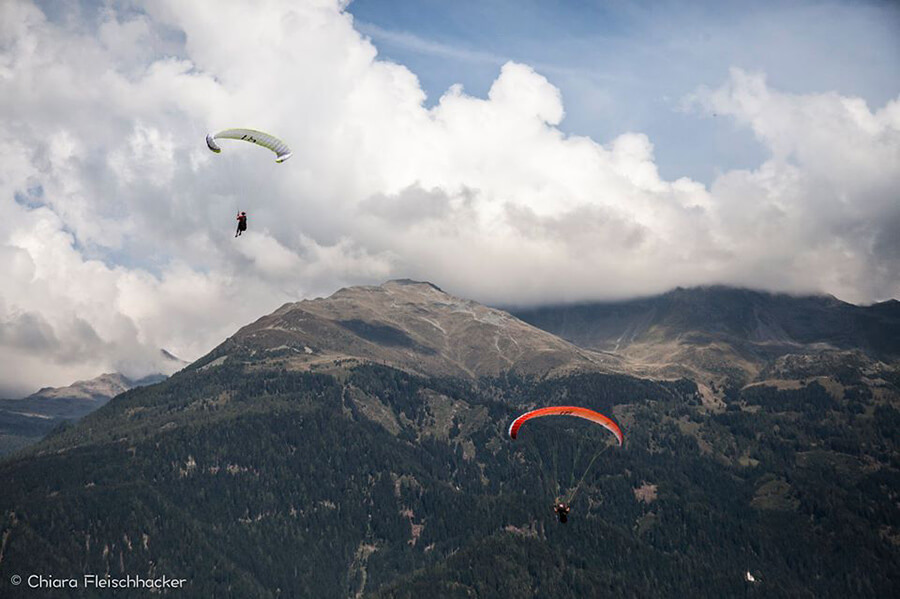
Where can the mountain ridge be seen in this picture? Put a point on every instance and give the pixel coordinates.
(361, 468)
(411, 325)
(718, 333)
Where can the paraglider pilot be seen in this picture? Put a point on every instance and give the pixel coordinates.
(242, 223)
(562, 511)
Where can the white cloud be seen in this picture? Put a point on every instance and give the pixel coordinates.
(119, 222)
(823, 212)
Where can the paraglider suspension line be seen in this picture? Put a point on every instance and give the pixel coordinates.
(574, 490)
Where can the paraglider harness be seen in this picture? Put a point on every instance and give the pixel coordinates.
(563, 506)
(242, 223)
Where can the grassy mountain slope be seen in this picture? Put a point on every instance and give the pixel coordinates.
(722, 334)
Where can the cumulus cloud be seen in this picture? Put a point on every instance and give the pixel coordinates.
(822, 212)
(118, 236)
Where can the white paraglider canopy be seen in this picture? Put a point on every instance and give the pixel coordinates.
(260, 138)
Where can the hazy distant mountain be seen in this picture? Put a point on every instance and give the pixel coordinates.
(721, 332)
(102, 388)
(26, 421)
(356, 446)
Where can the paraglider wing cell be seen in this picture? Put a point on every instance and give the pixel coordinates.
(265, 140)
(567, 411)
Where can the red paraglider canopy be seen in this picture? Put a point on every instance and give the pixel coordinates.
(567, 411)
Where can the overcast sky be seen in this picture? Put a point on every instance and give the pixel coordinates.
(509, 151)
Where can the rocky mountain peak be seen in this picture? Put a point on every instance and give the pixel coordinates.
(411, 325)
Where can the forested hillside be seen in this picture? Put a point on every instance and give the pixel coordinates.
(369, 481)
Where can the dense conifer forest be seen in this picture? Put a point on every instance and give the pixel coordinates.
(370, 481)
